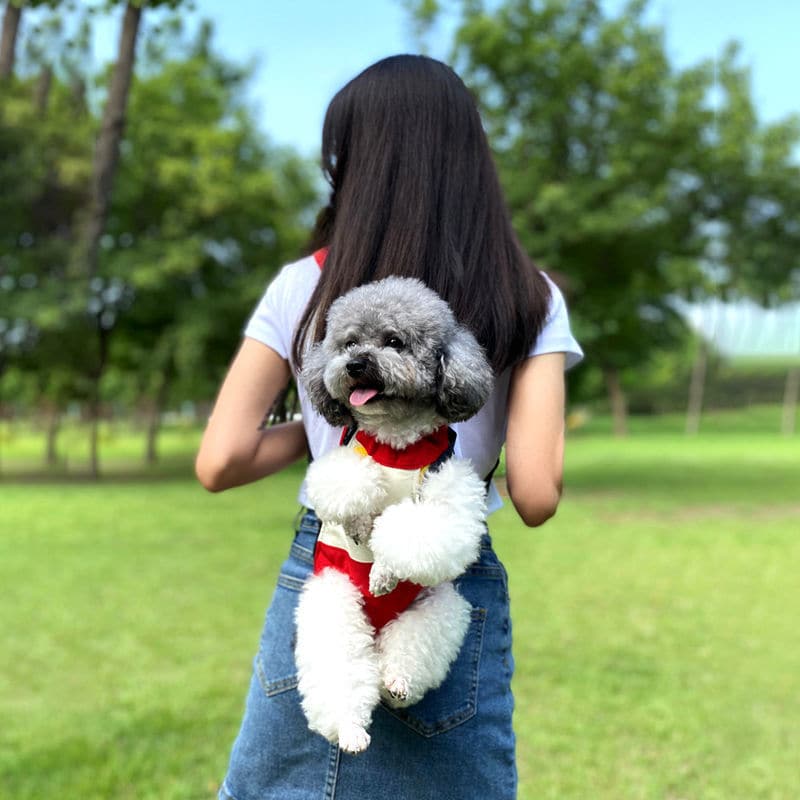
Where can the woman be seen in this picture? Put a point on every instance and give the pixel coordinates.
(414, 192)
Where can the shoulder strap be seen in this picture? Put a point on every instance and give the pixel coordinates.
(447, 454)
(347, 435)
(488, 479)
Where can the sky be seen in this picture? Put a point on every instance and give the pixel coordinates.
(307, 49)
(745, 329)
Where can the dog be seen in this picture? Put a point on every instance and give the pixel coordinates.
(380, 617)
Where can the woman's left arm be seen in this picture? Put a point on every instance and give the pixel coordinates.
(535, 437)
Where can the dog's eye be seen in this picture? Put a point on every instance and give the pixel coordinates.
(395, 343)
(350, 343)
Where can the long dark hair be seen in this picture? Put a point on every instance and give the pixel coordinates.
(414, 192)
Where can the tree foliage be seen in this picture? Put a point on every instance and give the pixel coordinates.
(599, 141)
(754, 193)
(203, 210)
(639, 181)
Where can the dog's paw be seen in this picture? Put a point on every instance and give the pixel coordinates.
(381, 580)
(398, 689)
(398, 692)
(342, 485)
(353, 738)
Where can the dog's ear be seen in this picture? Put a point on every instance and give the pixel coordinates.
(465, 378)
(312, 376)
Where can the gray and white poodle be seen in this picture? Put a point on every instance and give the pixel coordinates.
(401, 519)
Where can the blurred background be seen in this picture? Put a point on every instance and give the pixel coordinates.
(158, 164)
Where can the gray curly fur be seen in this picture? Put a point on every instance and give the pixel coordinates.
(439, 376)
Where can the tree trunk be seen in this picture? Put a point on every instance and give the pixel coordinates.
(94, 399)
(53, 417)
(619, 403)
(2, 370)
(154, 410)
(697, 388)
(107, 149)
(105, 164)
(41, 93)
(94, 438)
(790, 397)
(153, 424)
(77, 93)
(8, 40)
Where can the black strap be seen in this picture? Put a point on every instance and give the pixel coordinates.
(349, 433)
(447, 454)
(488, 479)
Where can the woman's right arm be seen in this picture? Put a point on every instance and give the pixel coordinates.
(535, 437)
(233, 450)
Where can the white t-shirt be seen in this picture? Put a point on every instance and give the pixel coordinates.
(479, 439)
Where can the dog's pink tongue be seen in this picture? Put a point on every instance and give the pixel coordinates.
(360, 396)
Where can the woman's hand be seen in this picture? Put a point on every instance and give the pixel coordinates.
(535, 437)
(233, 450)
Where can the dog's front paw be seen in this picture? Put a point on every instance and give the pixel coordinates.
(353, 738)
(342, 485)
(381, 580)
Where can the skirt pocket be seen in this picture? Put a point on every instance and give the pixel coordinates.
(275, 663)
(455, 701)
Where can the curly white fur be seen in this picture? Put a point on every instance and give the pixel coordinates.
(439, 375)
(410, 648)
(435, 538)
(338, 670)
(331, 479)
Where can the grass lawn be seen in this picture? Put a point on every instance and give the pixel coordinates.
(655, 621)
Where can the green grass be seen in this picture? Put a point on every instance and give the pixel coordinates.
(655, 623)
(776, 363)
(659, 648)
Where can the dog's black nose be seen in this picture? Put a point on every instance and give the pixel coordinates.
(356, 367)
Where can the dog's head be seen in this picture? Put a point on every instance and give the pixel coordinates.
(395, 361)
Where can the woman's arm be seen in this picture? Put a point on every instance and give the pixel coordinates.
(535, 437)
(233, 450)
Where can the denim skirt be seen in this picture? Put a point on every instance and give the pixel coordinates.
(457, 743)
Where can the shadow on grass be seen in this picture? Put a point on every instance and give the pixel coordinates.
(112, 472)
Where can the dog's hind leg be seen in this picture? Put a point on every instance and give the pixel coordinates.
(416, 649)
(338, 676)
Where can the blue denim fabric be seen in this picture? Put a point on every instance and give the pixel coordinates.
(457, 743)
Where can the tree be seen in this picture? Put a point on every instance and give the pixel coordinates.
(45, 161)
(599, 141)
(111, 132)
(9, 35)
(752, 208)
(103, 171)
(203, 212)
(8, 38)
(105, 163)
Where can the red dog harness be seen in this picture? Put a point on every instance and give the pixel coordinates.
(405, 470)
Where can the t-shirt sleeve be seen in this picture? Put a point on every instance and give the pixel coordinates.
(556, 336)
(268, 323)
